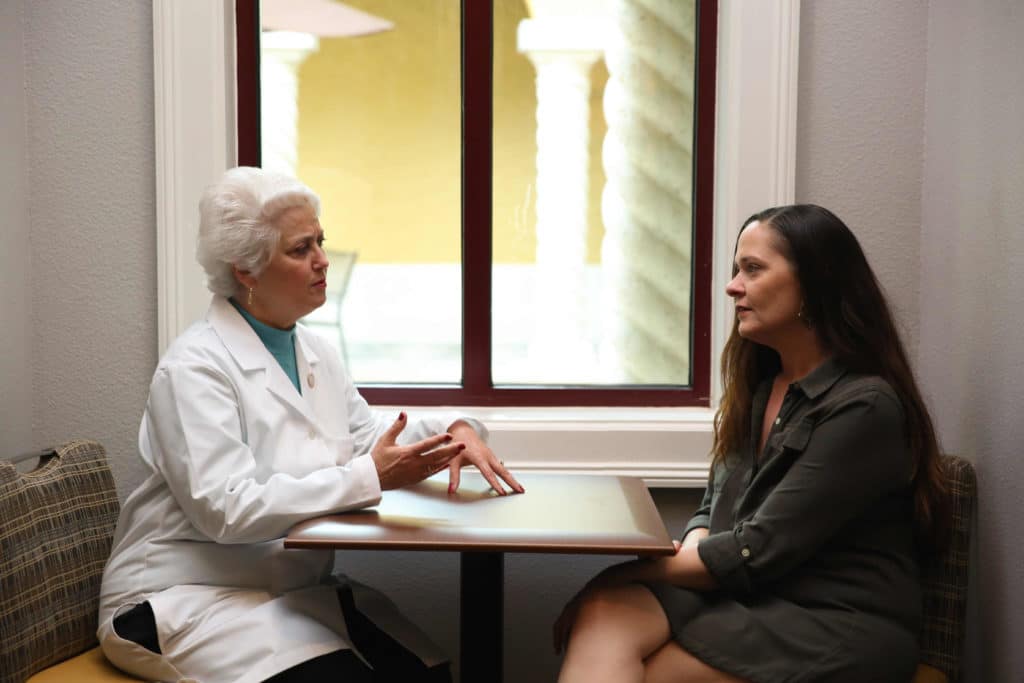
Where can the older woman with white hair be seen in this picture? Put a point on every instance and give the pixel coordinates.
(252, 425)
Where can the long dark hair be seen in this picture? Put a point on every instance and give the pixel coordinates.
(852, 319)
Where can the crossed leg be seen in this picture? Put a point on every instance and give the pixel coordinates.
(622, 634)
(672, 664)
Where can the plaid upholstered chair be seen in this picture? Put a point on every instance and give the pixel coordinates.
(945, 585)
(56, 527)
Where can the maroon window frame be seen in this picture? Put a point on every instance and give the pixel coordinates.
(477, 388)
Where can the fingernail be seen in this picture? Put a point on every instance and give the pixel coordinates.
(448, 437)
(451, 489)
(461, 448)
(401, 415)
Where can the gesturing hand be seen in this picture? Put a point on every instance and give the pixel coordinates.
(399, 466)
(478, 454)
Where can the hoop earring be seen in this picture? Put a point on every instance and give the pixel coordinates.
(248, 300)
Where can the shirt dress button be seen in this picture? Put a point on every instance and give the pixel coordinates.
(778, 420)
(312, 433)
(745, 552)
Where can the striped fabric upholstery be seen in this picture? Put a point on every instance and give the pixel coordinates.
(945, 579)
(56, 527)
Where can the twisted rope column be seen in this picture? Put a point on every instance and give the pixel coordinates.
(647, 201)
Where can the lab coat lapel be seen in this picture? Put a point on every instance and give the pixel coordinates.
(308, 365)
(282, 387)
(252, 356)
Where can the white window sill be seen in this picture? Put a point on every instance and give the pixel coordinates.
(666, 447)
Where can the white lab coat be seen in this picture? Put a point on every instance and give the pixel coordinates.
(236, 456)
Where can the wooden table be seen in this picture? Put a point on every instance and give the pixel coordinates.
(557, 514)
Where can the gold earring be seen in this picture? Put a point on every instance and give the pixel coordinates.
(249, 300)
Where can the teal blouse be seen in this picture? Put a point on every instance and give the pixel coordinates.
(280, 343)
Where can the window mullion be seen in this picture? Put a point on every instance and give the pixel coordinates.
(477, 110)
(247, 80)
(703, 200)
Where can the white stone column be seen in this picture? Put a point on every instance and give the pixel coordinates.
(647, 201)
(563, 52)
(281, 55)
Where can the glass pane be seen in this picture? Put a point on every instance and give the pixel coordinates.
(361, 100)
(593, 192)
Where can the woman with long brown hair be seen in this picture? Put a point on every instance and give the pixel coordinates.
(801, 563)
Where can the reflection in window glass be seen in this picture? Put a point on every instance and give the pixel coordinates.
(362, 102)
(593, 192)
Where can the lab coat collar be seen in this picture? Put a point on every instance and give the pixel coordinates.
(248, 350)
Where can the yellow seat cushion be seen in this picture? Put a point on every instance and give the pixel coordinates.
(927, 674)
(89, 667)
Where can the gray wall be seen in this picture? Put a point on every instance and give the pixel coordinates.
(91, 202)
(972, 239)
(860, 114)
(909, 128)
(15, 249)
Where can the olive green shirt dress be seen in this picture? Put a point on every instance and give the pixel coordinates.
(811, 542)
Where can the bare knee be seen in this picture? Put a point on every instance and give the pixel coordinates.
(627, 618)
(614, 630)
(672, 664)
(600, 608)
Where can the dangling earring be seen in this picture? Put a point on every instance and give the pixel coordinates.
(802, 315)
(249, 299)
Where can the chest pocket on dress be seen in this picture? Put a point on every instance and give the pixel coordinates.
(796, 438)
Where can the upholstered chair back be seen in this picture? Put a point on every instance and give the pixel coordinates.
(56, 526)
(944, 579)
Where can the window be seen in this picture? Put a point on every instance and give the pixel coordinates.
(755, 122)
(530, 214)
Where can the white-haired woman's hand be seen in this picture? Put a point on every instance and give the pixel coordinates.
(399, 466)
(478, 454)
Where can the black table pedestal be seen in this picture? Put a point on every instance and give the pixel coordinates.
(482, 617)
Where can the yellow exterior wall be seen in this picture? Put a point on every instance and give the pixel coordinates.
(379, 137)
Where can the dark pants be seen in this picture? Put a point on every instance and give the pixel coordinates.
(341, 665)
(391, 662)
